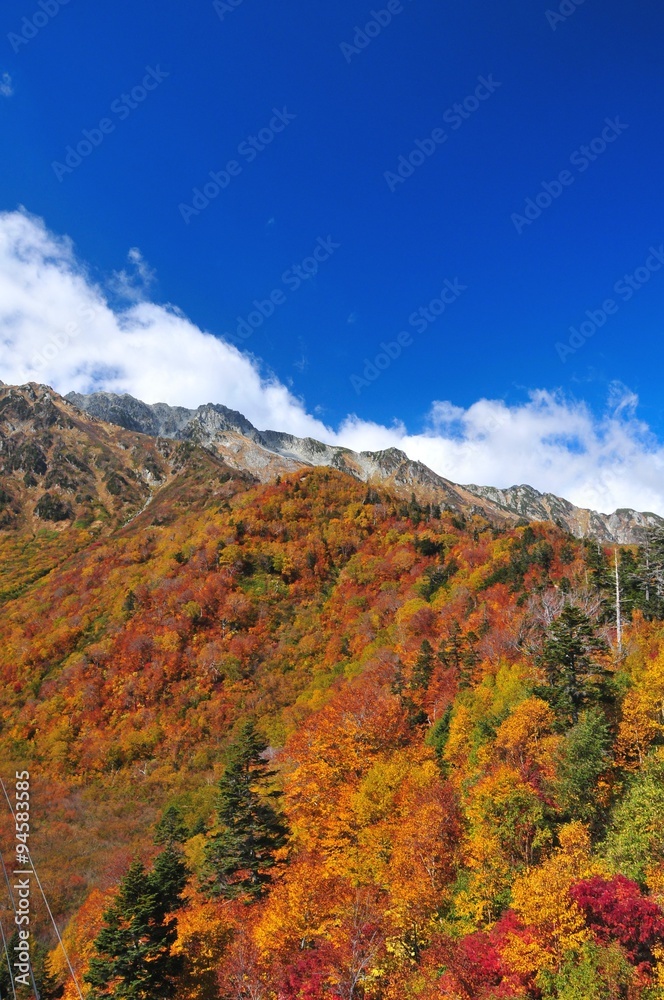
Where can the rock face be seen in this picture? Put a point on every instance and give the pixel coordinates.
(269, 453)
(624, 525)
(59, 467)
(161, 420)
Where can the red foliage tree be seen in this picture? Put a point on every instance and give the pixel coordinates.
(475, 969)
(616, 910)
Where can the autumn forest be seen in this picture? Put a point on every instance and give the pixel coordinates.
(318, 739)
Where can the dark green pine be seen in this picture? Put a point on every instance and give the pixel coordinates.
(239, 858)
(133, 958)
(171, 828)
(573, 678)
(168, 879)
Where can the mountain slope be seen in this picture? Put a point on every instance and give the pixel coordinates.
(67, 479)
(268, 453)
(433, 778)
(624, 525)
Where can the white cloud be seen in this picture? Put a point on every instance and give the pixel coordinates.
(57, 326)
(549, 442)
(6, 85)
(133, 285)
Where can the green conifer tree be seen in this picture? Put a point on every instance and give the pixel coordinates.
(599, 575)
(573, 678)
(134, 959)
(649, 574)
(585, 753)
(240, 856)
(48, 984)
(423, 669)
(171, 828)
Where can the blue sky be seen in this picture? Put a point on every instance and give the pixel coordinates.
(532, 88)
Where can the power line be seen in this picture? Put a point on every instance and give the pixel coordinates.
(48, 908)
(12, 901)
(9, 964)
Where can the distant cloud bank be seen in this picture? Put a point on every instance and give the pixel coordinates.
(60, 327)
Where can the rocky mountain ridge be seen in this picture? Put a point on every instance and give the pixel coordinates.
(623, 525)
(67, 480)
(268, 453)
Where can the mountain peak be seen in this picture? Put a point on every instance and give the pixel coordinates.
(268, 453)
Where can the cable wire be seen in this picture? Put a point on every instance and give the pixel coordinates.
(12, 901)
(9, 964)
(48, 908)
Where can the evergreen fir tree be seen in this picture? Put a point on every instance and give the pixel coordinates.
(438, 736)
(168, 878)
(631, 596)
(398, 684)
(649, 574)
(130, 603)
(171, 828)
(424, 664)
(48, 985)
(584, 754)
(573, 679)
(241, 855)
(457, 652)
(598, 567)
(416, 716)
(133, 958)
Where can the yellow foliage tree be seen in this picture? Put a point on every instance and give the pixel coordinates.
(640, 723)
(541, 898)
(526, 735)
(424, 850)
(300, 908)
(204, 933)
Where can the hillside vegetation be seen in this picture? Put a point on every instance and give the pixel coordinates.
(308, 740)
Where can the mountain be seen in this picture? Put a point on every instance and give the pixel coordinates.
(625, 526)
(67, 479)
(268, 453)
(382, 681)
